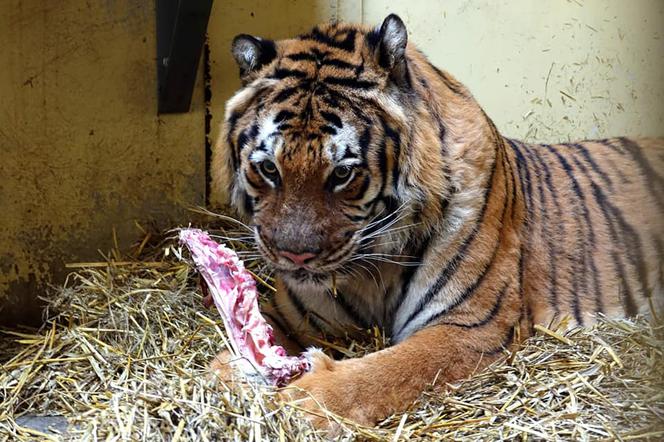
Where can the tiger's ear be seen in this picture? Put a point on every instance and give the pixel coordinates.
(392, 39)
(251, 53)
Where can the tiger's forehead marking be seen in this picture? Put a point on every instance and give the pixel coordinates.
(343, 147)
(269, 139)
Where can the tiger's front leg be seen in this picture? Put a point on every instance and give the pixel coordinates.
(369, 389)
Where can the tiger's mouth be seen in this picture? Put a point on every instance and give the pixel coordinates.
(311, 273)
(318, 268)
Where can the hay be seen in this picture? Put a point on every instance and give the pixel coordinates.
(124, 350)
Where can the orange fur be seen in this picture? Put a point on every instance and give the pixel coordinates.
(452, 238)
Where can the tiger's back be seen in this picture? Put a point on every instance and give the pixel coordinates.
(595, 230)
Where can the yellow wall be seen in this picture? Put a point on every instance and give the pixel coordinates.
(606, 54)
(82, 150)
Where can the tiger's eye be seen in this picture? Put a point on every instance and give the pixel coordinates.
(269, 168)
(342, 172)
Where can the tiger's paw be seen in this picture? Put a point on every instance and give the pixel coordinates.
(331, 388)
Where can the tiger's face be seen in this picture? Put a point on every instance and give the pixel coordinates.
(314, 140)
(308, 184)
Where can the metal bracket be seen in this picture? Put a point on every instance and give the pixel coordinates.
(181, 28)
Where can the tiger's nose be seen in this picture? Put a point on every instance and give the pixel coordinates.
(297, 258)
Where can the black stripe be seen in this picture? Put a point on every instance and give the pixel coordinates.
(632, 245)
(349, 154)
(253, 131)
(283, 116)
(424, 85)
(307, 111)
(302, 56)
(488, 317)
(509, 171)
(303, 311)
(444, 204)
(332, 118)
(590, 160)
(382, 158)
(634, 254)
(350, 310)
(542, 169)
(349, 82)
(328, 130)
(654, 182)
(232, 122)
(290, 330)
(248, 203)
(525, 305)
(373, 39)
(358, 105)
(407, 279)
(356, 218)
(526, 190)
(276, 322)
(347, 44)
(599, 303)
(396, 152)
(524, 177)
(281, 74)
(609, 215)
(443, 146)
(320, 58)
(364, 143)
(453, 264)
(610, 144)
(579, 262)
(286, 94)
(261, 147)
(470, 290)
(503, 346)
(243, 140)
(352, 206)
(341, 64)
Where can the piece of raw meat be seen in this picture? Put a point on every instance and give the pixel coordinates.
(233, 291)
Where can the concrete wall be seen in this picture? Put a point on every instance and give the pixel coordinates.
(82, 150)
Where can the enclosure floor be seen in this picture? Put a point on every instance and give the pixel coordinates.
(55, 425)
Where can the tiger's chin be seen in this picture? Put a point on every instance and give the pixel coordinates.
(307, 276)
(313, 279)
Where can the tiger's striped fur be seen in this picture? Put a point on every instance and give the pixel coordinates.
(449, 236)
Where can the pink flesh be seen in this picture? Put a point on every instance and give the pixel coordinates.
(234, 293)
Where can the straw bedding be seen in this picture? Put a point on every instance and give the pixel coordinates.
(125, 346)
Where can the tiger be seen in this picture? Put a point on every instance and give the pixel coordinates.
(382, 195)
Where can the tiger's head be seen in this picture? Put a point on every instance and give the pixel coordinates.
(318, 147)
